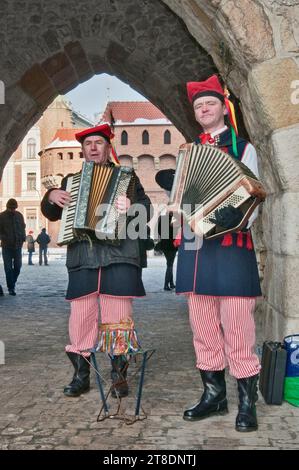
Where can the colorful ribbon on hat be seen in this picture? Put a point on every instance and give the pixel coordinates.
(232, 119)
(113, 153)
(231, 110)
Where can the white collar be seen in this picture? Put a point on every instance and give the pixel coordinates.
(219, 131)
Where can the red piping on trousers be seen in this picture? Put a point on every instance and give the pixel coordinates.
(195, 270)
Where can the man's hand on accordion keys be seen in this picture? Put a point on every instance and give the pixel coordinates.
(122, 204)
(227, 217)
(60, 197)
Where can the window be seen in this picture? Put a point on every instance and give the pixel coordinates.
(60, 156)
(145, 138)
(124, 138)
(31, 181)
(70, 155)
(81, 155)
(167, 137)
(31, 219)
(31, 148)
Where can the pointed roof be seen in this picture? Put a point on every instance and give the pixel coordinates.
(65, 138)
(60, 102)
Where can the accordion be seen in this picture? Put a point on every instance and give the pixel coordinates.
(95, 190)
(207, 179)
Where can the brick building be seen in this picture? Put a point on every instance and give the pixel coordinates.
(144, 139)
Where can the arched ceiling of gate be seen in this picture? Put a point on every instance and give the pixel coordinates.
(50, 47)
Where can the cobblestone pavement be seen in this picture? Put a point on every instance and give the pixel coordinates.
(34, 414)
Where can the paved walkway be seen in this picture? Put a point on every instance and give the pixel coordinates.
(34, 414)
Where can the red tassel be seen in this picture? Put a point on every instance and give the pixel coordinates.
(227, 240)
(240, 239)
(249, 244)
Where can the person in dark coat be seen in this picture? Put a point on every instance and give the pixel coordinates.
(12, 235)
(104, 272)
(30, 246)
(220, 278)
(43, 240)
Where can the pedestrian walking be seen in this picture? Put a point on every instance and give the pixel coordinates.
(30, 246)
(43, 240)
(12, 235)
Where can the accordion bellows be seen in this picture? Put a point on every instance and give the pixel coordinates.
(96, 186)
(207, 179)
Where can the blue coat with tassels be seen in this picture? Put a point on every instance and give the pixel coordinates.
(214, 269)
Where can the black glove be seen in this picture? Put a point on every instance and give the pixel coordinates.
(164, 178)
(227, 217)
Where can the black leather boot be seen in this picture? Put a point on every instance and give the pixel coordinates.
(246, 420)
(213, 400)
(119, 376)
(80, 383)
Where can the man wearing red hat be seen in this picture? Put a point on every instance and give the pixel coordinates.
(101, 272)
(221, 279)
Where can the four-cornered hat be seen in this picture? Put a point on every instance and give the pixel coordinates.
(103, 130)
(213, 87)
(209, 87)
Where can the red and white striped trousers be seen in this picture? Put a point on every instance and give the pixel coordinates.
(224, 333)
(84, 319)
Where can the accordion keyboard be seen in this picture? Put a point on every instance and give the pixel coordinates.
(66, 234)
(236, 199)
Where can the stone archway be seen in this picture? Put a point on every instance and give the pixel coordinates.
(62, 46)
(156, 46)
